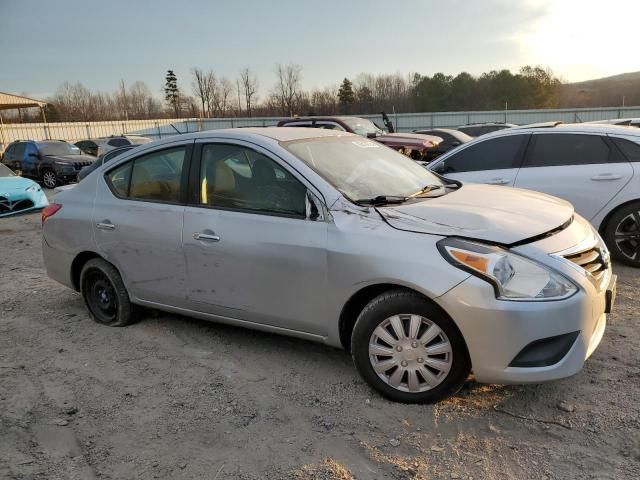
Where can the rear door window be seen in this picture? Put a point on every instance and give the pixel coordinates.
(556, 149)
(19, 150)
(494, 154)
(157, 176)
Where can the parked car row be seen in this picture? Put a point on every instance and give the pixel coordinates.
(100, 146)
(329, 236)
(414, 145)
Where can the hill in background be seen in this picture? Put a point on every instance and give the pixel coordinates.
(602, 92)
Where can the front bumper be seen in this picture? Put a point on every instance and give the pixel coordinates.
(496, 331)
(500, 334)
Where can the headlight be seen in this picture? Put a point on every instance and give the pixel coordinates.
(33, 188)
(513, 277)
(64, 164)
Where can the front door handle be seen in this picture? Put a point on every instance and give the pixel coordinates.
(606, 176)
(105, 225)
(205, 237)
(498, 181)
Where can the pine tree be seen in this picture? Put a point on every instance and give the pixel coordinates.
(171, 92)
(346, 95)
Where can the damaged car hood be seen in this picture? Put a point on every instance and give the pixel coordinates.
(484, 212)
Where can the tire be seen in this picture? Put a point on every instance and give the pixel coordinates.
(105, 295)
(622, 234)
(452, 368)
(49, 178)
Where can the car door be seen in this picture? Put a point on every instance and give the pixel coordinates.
(138, 213)
(9, 158)
(585, 169)
(31, 160)
(252, 252)
(493, 161)
(18, 156)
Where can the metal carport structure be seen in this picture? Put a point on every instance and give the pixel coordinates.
(16, 102)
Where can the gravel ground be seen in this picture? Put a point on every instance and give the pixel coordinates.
(173, 397)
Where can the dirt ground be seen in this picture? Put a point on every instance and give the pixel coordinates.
(173, 397)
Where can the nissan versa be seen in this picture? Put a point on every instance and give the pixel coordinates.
(332, 237)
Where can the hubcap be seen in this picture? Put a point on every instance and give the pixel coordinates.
(410, 353)
(627, 236)
(49, 179)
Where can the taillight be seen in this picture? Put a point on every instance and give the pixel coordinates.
(50, 211)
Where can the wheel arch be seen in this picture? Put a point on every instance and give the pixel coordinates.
(356, 303)
(605, 221)
(76, 267)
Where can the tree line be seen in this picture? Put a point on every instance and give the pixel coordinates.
(207, 95)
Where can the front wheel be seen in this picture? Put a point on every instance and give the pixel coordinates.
(622, 234)
(105, 295)
(408, 350)
(49, 179)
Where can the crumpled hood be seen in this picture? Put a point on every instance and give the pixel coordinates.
(484, 212)
(11, 184)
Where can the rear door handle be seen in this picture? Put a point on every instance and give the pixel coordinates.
(498, 181)
(205, 237)
(105, 225)
(606, 176)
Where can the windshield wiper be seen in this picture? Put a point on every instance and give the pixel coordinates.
(382, 200)
(426, 189)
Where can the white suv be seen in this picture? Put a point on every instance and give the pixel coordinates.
(595, 167)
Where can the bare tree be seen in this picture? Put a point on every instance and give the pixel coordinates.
(203, 86)
(250, 86)
(221, 95)
(287, 89)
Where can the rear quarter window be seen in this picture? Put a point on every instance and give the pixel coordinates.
(629, 149)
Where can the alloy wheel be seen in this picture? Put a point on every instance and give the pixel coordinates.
(410, 353)
(627, 236)
(49, 179)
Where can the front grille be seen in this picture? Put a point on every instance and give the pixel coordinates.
(80, 165)
(7, 205)
(593, 260)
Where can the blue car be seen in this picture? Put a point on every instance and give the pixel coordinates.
(19, 194)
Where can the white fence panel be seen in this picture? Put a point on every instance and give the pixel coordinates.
(404, 122)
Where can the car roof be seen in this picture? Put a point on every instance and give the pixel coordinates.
(595, 128)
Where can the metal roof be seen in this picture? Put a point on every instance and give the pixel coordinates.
(10, 102)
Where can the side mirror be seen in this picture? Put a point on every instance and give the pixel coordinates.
(455, 144)
(440, 168)
(33, 154)
(371, 135)
(313, 208)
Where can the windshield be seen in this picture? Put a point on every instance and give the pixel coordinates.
(362, 126)
(5, 171)
(362, 168)
(58, 148)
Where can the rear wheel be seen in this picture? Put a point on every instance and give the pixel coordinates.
(408, 350)
(49, 179)
(622, 234)
(105, 295)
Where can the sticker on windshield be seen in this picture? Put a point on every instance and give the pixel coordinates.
(363, 144)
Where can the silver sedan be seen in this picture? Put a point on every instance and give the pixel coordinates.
(331, 237)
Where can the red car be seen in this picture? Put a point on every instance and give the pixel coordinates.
(412, 144)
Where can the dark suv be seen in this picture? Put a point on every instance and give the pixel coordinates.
(53, 162)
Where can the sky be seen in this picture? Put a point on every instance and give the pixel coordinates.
(44, 43)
